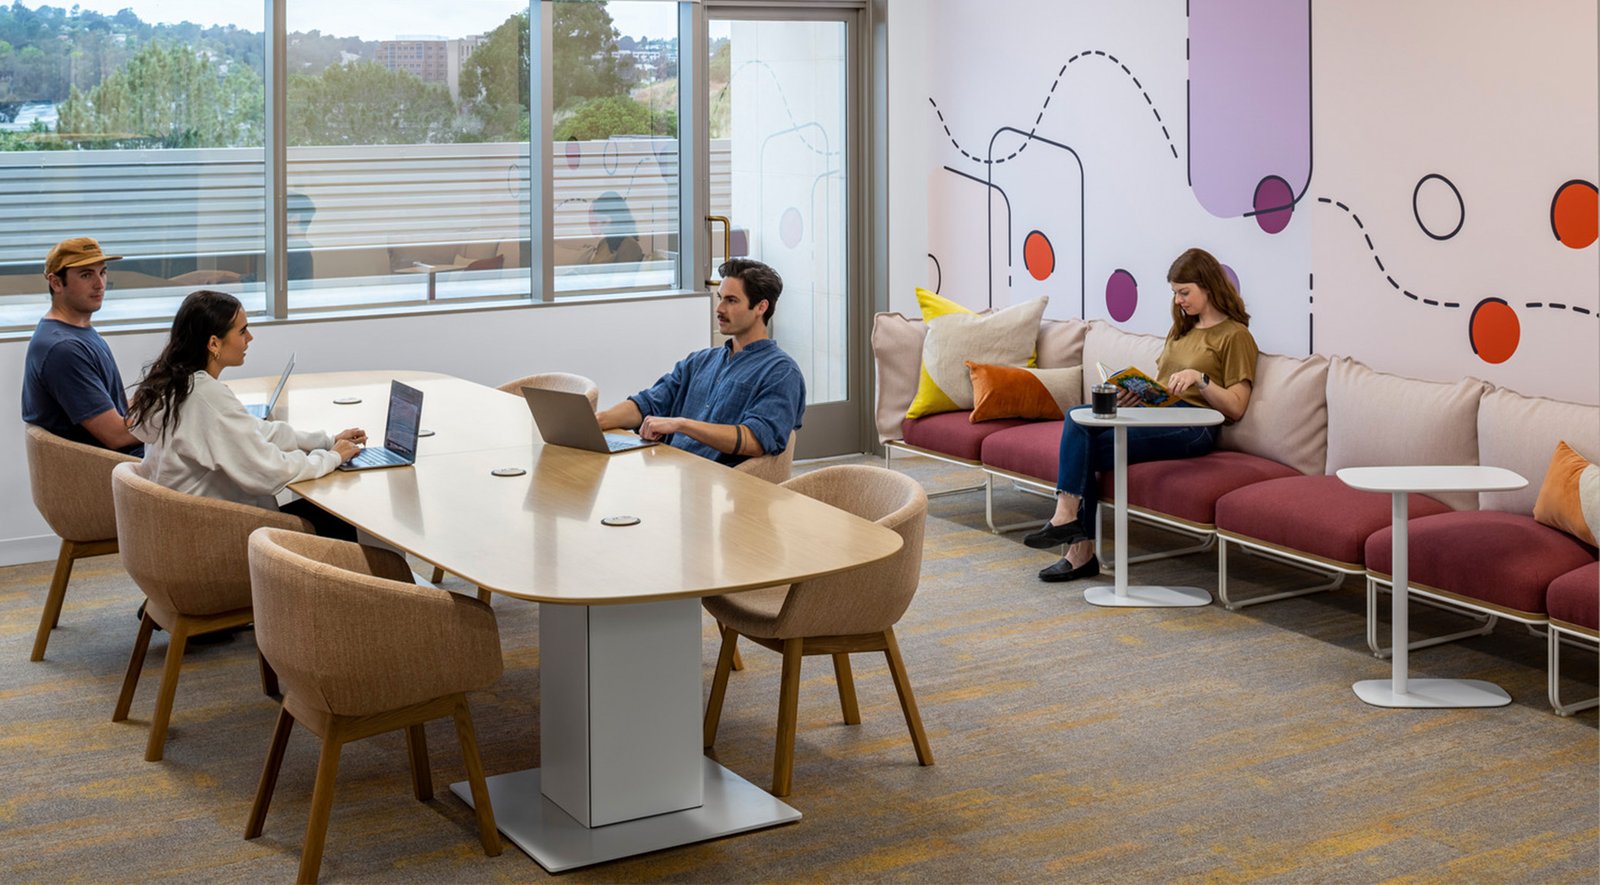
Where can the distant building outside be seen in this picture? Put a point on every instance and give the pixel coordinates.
(430, 59)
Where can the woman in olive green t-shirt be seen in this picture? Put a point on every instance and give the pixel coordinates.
(1209, 361)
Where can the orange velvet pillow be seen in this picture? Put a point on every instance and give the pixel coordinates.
(1019, 392)
(1569, 500)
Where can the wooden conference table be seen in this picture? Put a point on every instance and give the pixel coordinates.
(622, 767)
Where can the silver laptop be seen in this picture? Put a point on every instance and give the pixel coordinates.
(264, 410)
(567, 419)
(399, 432)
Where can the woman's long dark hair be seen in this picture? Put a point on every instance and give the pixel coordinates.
(1201, 268)
(168, 381)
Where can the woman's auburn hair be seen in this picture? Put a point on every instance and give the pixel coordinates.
(1201, 268)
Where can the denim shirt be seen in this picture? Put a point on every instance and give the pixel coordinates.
(760, 387)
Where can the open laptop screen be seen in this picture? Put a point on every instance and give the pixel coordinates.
(405, 413)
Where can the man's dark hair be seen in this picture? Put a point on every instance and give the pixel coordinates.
(760, 283)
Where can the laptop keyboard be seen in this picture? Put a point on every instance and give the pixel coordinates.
(376, 457)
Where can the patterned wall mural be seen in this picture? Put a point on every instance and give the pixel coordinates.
(1412, 184)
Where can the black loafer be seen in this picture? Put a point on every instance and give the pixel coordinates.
(1053, 535)
(1063, 571)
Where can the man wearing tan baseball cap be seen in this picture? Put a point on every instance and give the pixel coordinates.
(70, 384)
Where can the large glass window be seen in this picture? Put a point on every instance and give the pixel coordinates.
(406, 149)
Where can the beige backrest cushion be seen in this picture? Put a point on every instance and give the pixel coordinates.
(1060, 344)
(897, 363)
(1287, 418)
(1105, 343)
(1520, 433)
(1376, 419)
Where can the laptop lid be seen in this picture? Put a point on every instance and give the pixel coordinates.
(283, 381)
(405, 420)
(567, 419)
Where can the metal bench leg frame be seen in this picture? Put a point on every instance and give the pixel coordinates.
(1554, 670)
(1333, 582)
(988, 505)
(888, 451)
(1486, 621)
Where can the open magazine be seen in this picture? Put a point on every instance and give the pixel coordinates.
(1149, 391)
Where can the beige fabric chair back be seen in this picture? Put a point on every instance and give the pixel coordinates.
(347, 630)
(869, 599)
(188, 553)
(72, 485)
(772, 468)
(565, 381)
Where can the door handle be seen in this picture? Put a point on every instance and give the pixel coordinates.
(727, 242)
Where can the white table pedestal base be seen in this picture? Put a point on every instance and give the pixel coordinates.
(1146, 596)
(1438, 693)
(558, 842)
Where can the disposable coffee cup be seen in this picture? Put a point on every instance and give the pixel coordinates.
(1103, 398)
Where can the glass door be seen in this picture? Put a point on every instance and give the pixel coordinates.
(782, 155)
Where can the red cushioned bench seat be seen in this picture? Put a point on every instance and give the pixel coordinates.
(1500, 561)
(952, 434)
(1315, 516)
(1574, 598)
(1031, 450)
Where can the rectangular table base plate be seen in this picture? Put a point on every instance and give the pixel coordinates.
(558, 842)
(1438, 693)
(1147, 597)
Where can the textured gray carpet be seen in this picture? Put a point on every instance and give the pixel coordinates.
(1072, 744)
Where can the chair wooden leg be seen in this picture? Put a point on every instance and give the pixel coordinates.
(719, 684)
(847, 689)
(788, 714)
(53, 599)
(321, 807)
(738, 659)
(421, 775)
(176, 644)
(269, 676)
(487, 833)
(437, 576)
(269, 774)
(908, 703)
(141, 644)
(484, 596)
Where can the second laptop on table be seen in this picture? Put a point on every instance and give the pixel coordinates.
(567, 419)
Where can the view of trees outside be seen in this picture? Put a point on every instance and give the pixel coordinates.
(83, 80)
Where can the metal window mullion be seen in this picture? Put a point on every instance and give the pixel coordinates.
(541, 166)
(275, 184)
(694, 148)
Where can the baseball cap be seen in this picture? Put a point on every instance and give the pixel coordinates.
(75, 252)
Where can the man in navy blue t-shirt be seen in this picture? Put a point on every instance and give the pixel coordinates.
(70, 385)
(728, 403)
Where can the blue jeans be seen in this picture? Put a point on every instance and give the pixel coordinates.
(1086, 451)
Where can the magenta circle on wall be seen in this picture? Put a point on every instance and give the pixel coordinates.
(574, 153)
(791, 227)
(1122, 295)
(1273, 204)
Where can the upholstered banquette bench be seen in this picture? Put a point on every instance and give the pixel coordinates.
(1270, 488)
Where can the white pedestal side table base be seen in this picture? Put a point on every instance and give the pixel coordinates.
(1421, 693)
(1147, 596)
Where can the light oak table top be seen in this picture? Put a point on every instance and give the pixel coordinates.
(704, 529)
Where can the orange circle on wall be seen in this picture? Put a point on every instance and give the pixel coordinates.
(1038, 256)
(1495, 330)
(1575, 214)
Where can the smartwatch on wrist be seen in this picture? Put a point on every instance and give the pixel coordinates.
(1205, 381)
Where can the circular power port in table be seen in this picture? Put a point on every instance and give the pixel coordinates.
(620, 520)
(508, 471)
(347, 400)
(424, 432)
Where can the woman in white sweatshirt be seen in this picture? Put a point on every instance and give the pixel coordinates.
(199, 438)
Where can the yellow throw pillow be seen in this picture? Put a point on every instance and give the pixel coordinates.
(1021, 392)
(956, 334)
(1569, 499)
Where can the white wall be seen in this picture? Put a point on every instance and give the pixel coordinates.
(623, 346)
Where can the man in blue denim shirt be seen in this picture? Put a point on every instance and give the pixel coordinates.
(732, 402)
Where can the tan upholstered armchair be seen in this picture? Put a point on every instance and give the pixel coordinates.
(837, 615)
(361, 650)
(772, 468)
(565, 381)
(72, 489)
(190, 557)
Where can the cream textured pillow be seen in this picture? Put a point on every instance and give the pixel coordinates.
(1108, 344)
(1005, 337)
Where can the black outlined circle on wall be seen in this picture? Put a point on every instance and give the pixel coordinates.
(1416, 208)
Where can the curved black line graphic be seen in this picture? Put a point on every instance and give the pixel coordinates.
(1561, 190)
(778, 82)
(1431, 302)
(1088, 53)
(1416, 211)
(1083, 286)
(989, 228)
(938, 273)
